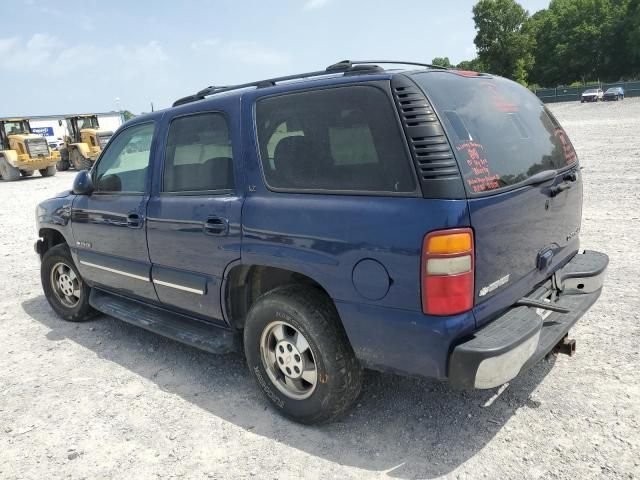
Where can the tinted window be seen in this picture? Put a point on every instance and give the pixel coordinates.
(123, 166)
(338, 139)
(198, 154)
(500, 132)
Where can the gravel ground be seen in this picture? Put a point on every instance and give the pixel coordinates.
(107, 400)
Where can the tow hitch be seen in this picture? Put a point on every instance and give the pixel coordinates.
(566, 346)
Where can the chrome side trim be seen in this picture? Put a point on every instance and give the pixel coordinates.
(113, 270)
(178, 287)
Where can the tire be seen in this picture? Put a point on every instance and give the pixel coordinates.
(63, 165)
(306, 320)
(8, 172)
(58, 275)
(26, 173)
(78, 161)
(50, 171)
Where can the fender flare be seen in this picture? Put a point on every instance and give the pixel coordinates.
(11, 156)
(83, 148)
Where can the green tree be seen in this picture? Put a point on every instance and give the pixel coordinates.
(127, 115)
(442, 62)
(474, 65)
(504, 44)
(577, 40)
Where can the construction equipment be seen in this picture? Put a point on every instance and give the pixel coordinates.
(83, 142)
(23, 152)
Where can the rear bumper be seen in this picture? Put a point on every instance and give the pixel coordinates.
(521, 337)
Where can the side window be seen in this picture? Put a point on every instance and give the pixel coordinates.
(198, 156)
(335, 139)
(123, 166)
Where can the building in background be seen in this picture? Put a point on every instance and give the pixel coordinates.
(47, 125)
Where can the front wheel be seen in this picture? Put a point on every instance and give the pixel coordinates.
(63, 165)
(300, 356)
(8, 172)
(50, 171)
(78, 161)
(66, 291)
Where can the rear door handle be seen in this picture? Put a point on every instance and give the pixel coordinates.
(216, 226)
(134, 220)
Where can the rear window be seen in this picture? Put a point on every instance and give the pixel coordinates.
(500, 132)
(343, 139)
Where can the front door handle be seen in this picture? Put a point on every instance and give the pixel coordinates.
(134, 220)
(216, 226)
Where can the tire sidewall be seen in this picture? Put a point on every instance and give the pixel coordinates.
(81, 311)
(262, 315)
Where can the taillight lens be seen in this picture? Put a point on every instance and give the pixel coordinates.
(447, 272)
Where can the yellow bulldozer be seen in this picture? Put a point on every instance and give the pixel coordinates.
(23, 152)
(83, 142)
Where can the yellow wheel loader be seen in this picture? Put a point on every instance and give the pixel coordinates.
(83, 142)
(23, 152)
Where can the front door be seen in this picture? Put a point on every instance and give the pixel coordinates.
(109, 226)
(193, 227)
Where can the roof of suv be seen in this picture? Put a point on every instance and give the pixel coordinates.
(346, 71)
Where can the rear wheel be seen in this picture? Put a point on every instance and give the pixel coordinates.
(48, 172)
(299, 354)
(66, 291)
(78, 161)
(8, 172)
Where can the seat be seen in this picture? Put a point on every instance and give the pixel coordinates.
(296, 164)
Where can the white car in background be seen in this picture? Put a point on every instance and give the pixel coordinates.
(592, 95)
(55, 144)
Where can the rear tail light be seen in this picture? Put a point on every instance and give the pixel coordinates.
(447, 272)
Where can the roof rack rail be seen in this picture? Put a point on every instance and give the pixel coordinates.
(348, 64)
(344, 66)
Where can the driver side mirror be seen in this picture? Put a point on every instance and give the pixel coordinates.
(59, 123)
(82, 184)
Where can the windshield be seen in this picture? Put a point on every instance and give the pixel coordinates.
(87, 122)
(20, 127)
(612, 90)
(500, 132)
(591, 91)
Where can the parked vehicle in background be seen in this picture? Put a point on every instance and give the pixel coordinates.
(614, 93)
(83, 142)
(592, 95)
(23, 152)
(422, 221)
(56, 145)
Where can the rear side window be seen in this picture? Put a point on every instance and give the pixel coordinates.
(198, 155)
(500, 132)
(342, 139)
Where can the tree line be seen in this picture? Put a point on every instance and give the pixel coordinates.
(570, 42)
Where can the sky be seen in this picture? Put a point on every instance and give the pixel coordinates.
(74, 56)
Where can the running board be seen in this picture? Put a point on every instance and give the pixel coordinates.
(184, 329)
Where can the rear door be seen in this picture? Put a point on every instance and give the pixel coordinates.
(504, 139)
(193, 228)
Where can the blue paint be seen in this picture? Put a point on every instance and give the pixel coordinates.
(363, 250)
(44, 131)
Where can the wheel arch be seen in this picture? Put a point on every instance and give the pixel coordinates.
(244, 284)
(49, 237)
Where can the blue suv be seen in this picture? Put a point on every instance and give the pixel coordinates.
(421, 221)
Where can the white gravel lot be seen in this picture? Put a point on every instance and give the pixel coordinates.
(107, 400)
